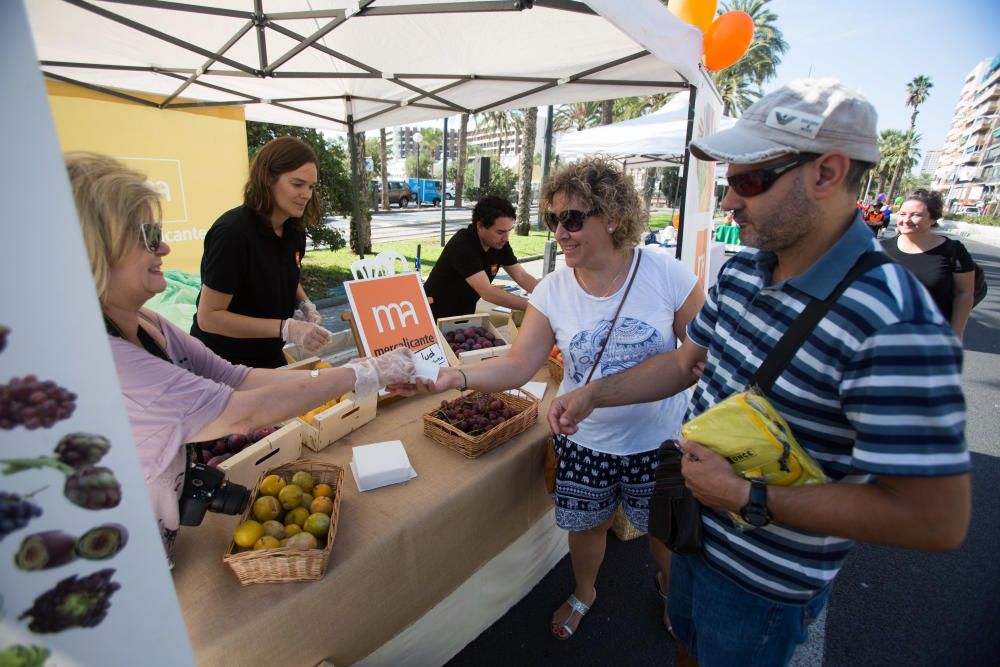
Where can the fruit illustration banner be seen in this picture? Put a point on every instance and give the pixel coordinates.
(393, 312)
(83, 574)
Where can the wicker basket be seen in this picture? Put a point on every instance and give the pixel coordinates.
(280, 565)
(555, 369)
(472, 446)
(624, 529)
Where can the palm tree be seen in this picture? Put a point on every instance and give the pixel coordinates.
(908, 156)
(736, 90)
(529, 127)
(578, 116)
(891, 146)
(607, 112)
(917, 92)
(501, 122)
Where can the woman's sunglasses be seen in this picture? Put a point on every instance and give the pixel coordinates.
(151, 235)
(571, 220)
(758, 181)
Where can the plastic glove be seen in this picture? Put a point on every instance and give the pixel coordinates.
(374, 373)
(308, 335)
(310, 313)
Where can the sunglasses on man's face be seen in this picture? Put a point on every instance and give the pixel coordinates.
(151, 235)
(758, 181)
(571, 220)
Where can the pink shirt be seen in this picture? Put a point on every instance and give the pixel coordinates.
(167, 405)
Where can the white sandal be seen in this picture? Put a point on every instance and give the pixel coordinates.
(565, 631)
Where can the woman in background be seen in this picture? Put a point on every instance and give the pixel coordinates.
(251, 267)
(943, 265)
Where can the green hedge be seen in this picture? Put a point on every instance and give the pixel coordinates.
(975, 219)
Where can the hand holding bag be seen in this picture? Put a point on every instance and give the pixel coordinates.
(551, 464)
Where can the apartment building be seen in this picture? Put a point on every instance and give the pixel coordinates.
(968, 167)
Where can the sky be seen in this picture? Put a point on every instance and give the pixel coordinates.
(878, 46)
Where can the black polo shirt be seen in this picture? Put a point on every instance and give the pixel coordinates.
(244, 257)
(463, 256)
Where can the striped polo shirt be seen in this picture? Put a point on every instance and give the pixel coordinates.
(874, 390)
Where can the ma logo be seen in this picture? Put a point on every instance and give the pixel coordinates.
(394, 313)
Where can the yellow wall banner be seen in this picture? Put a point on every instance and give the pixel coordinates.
(195, 158)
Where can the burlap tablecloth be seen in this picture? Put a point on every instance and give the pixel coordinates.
(399, 550)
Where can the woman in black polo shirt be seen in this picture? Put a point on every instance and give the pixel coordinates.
(251, 265)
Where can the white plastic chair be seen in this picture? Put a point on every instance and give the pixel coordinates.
(389, 259)
(368, 267)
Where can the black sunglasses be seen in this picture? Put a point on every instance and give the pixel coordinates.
(151, 235)
(758, 181)
(571, 220)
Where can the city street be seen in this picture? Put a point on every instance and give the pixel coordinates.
(412, 222)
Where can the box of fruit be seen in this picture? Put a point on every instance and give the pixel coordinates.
(473, 338)
(286, 532)
(327, 423)
(477, 422)
(281, 445)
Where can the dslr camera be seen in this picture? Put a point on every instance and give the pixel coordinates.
(206, 490)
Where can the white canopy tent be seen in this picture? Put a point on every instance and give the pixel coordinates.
(658, 139)
(349, 65)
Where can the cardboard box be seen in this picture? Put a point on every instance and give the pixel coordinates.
(282, 446)
(462, 322)
(337, 421)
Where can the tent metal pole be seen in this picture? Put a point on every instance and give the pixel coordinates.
(546, 159)
(444, 178)
(692, 97)
(355, 185)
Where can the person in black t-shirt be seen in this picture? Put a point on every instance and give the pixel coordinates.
(471, 260)
(250, 270)
(943, 265)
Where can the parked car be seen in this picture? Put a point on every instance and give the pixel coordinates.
(970, 210)
(399, 192)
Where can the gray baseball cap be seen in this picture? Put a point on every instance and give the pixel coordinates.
(806, 116)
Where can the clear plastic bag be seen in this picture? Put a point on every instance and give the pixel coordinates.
(756, 440)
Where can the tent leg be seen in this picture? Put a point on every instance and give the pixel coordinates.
(693, 94)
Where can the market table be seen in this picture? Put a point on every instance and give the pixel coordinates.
(399, 550)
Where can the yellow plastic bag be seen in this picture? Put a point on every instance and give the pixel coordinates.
(747, 430)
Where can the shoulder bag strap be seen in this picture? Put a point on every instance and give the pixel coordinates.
(784, 350)
(615, 318)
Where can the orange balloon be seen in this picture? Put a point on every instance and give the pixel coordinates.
(727, 39)
(698, 13)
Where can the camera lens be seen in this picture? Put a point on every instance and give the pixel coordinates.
(230, 498)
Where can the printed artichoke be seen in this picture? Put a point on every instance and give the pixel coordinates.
(20, 655)
(82, 449)
(73, 603)
(93, 488)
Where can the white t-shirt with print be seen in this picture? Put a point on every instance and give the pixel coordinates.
(644, 328)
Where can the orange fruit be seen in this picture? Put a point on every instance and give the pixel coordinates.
(290, 496)
(302, 541)
(323, 505)
(322, 489)
(297, 516)
(304, 481)
(266, 542)
(274, 528)
(266, 508)
(272, 485)
(292, 530)
(318, 524)
(247, 533)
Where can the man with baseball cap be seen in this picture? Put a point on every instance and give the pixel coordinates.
(873, 394)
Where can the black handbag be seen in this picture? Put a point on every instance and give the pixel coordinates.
(674, 512)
